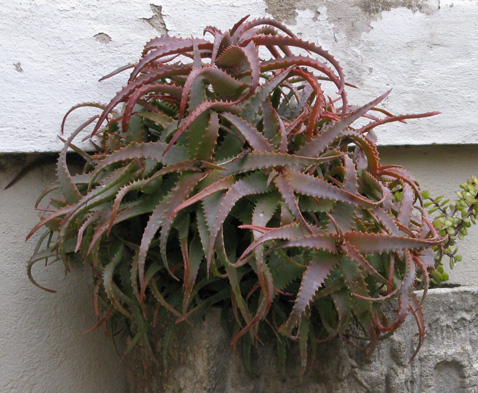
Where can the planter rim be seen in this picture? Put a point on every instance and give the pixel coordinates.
(439, 291)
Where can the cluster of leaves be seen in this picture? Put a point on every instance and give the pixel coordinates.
(227, 175)
(452, 220)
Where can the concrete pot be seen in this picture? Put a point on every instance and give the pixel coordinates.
(201, 359)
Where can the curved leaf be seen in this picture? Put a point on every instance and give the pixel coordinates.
(318, 144)
(153, 150)
(250, 185)
(168, 47)
(268, 160)
(253, 104)
(313, 186)
(257, 140)
(67, 186)
(369, 243)
(287, 193)
(316, 273)
(151, 77)
(181, 191)
(223, 84)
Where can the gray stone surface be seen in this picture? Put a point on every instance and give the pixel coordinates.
(201, 360)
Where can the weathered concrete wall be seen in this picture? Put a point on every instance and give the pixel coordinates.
(201, 361)
(53, 53)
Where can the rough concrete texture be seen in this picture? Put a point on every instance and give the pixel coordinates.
(42, 346)
(54, 52)
(201, 360)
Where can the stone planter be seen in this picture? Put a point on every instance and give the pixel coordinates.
(201, 359)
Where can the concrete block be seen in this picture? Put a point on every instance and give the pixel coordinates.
(201, 359)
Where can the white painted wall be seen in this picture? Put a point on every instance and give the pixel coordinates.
(52, 58)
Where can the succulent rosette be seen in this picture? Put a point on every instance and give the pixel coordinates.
(230, 172)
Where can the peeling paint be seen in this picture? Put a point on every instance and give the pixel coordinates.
(426, 50)
(157, 21)
(283, 10)
(351, 18)
(374, 7)
(103, 38)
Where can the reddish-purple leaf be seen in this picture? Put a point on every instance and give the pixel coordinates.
(417, 310)
(198, 111)
(240, 28)
(297, 61)
(168, 48)
(67, 186)
(285, 232)
(224, 84)
(386, 220)
(253, 104)
(160, 41)
(151, 77)
(153, 150)
(406, 205)
(181, 191)
(369, 243)
(316, 273)
(313, 186)
(256, 139)
(251, 185)
(269, 160)
(222, 184)
(173, 91)
(359, 259)
(368, 150)
(287, 193)
(207, 145)
(318, 242)
(391, 119)
(317, 145)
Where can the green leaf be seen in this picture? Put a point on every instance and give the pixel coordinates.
(67, 186)
(368, 243)
(316, 273)
(268, 160)
(158, 117)
(253, 104)
(181, 191)
(207, 144)
(152, 150)
(250, 185)
(256, 139)
(313, 186)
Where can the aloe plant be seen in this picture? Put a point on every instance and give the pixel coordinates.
(229, 171)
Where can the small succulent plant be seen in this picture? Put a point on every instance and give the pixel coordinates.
(229, 171)
(452, 219)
